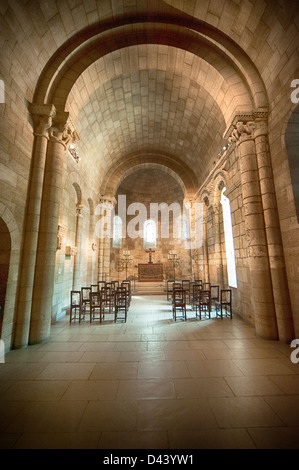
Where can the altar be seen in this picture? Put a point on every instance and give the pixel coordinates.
(150, 272)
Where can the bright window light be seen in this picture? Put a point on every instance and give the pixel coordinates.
(229, 241)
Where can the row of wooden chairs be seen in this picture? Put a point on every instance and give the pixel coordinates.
(202, 298)
(100, 298)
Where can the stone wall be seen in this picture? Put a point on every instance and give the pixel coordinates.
(150, 187)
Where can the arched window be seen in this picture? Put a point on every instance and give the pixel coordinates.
(229, 241)
(185, 228)
(117, 232)
(149, 234)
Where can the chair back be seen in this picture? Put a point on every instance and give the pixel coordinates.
(85, 294)
(205, 297)
(214, 292)
(75, 298)
(226, 296)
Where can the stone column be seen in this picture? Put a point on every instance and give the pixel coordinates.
(273, 234)
(92, 261)
(217, 246)
(42, 116)
(107, 203)
(78, 243)
(60, 137)
(189, 244)
(261, 284)
(203, 255)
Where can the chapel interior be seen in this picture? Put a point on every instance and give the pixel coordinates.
(149, 224)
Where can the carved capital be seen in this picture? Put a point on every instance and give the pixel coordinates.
(42, 116)
(107, 200)
(241, 131)
(62, 131)
(261, 128)
(246, 126)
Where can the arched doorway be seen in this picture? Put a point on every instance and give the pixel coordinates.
(5, 250)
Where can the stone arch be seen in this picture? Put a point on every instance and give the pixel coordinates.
(128, 165)
(5, 253)
(220, 182)
(91, 206)
(89, 45)
(78, 191)
(10, 223)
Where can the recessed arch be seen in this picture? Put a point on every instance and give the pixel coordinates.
(183, 175)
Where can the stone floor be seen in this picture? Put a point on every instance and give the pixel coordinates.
(150, 383)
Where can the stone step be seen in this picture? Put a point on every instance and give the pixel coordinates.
(149, 288)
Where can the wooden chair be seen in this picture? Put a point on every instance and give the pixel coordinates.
(214, 295)
(127, 285)
(179, 303)
(96, 307)
(85, 298)
(169, 283)
(94, 288)
(76, 311)
(203, 304)
(100, 285)
(186, 286)
(110, 295)
(120, 304)
(196, 288)
(206, 286)
(224, 304)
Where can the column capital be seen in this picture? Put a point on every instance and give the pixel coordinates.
(106, 199)
(42, 116)
(63, 131)
(245, 125)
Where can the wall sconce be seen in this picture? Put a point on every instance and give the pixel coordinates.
(94, 247)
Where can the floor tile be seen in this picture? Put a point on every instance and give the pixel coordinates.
(236, 412)
(109, 416)
(39, 417)
(145, 389)
(174, 414)
(201, 387)
(156, 369)
(66, 371)
(252, 386)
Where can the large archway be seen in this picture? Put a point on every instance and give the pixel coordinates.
(5, 250)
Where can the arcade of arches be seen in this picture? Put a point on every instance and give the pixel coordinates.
(166, 101)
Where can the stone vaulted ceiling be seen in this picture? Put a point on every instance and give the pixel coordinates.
(151, 83)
